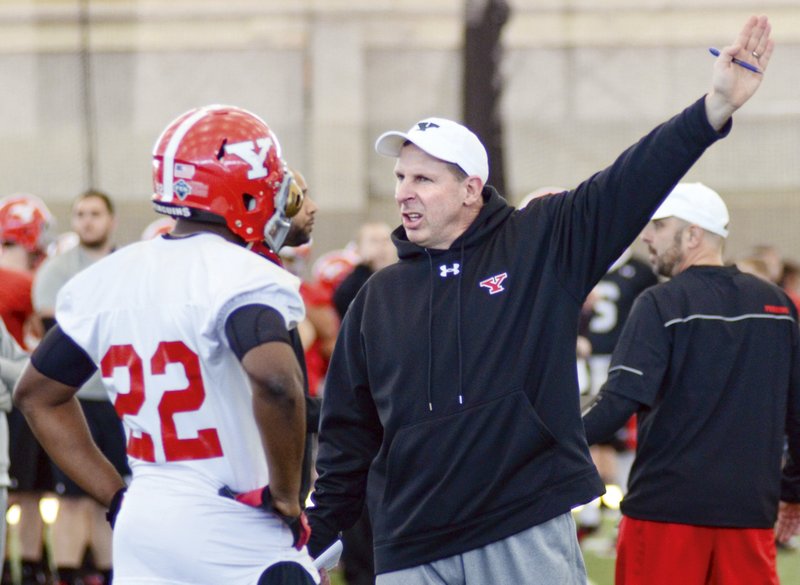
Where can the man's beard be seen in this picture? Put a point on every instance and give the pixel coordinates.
(95, 244)
(667, 262)
(297, 236)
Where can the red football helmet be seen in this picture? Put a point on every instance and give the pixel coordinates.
(223, 164)
(332, 268)
(24, 220)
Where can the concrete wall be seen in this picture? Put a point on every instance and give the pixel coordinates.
(583, 79)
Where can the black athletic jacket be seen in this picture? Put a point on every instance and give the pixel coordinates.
(451, 401)
(712, 356)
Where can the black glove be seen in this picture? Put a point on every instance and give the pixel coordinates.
(261, 498)
(114, 506)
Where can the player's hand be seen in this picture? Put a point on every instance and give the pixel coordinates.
(788, 521)
(261, 498)
(114, 506)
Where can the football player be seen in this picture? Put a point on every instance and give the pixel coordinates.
(191, 334)
(25, 222)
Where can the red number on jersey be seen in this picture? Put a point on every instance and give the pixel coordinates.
(124, 356)
(206, 445)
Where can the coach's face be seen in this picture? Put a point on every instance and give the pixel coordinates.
(435, 205)
(664, 239)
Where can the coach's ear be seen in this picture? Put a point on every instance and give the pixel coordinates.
(474, 191)
(695, 236)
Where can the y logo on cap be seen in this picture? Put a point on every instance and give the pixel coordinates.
(422, 126)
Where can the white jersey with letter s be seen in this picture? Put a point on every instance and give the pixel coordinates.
(152, 317)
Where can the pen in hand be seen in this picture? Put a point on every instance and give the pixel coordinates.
(739, 62)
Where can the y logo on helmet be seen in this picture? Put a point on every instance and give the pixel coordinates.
(495, 283)
(253, 153)
(23, 211)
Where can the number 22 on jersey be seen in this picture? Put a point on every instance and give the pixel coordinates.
(206, 444)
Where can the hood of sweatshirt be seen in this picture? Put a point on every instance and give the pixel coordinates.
(494, 211)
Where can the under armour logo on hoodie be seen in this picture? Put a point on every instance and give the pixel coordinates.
(444, 271)
(495, 283)
(422, 126)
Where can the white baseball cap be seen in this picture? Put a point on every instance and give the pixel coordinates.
(443, 139)
(697, 204)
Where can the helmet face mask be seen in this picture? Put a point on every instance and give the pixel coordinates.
(222, 164)
(288, 202)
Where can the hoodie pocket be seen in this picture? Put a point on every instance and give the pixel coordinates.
(444, 472)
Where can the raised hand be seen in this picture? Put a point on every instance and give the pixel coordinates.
(733, 85)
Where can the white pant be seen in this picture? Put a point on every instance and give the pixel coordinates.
(168, 534)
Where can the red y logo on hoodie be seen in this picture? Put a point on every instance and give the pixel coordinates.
(495, 283)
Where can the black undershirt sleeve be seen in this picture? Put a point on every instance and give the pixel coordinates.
(251, 325)
(60, 358)
(608, 413)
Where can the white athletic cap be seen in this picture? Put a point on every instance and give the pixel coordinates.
(697, 204)
(442, 139)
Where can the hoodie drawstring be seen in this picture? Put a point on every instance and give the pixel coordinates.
(430, 331)
(458, 330)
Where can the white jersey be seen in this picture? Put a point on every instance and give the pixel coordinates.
(152, 317)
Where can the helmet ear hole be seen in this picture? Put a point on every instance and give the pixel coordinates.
(249, 202)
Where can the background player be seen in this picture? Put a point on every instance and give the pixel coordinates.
(25, 223)
(80, 524)
(611, 302)
(12, 360)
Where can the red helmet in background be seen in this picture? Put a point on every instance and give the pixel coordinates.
(25, 220)
(223, 164)
(332, 268)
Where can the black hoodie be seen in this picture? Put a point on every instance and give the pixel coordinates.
(451, 401)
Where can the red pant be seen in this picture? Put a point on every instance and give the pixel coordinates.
(661, 553)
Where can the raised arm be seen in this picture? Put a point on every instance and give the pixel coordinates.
(732, 85)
